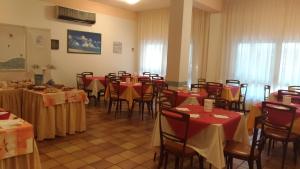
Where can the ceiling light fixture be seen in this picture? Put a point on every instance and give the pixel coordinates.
(132, 2)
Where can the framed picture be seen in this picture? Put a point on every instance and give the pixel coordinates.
(54, 44)
(84, 42)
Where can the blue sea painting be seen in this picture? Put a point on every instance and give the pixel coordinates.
(84, 42)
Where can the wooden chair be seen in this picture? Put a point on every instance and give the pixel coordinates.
(245, 152)
(125, 76)
(111, 74)
(158, 87)
(294, 88)
(214, 89)
(295, 95)
(157, 78)
(198, 86)
(232, 82)
(221, 103)
(144, 79)
(153, 76)
(167, 99)
(172, 144)
(278, 126)
(79, 81)
(87, 74)
(201, 81)
(146, 74)
(241, 105)
(147, 95)
(120, 73)
(267, 92)
(114, 96)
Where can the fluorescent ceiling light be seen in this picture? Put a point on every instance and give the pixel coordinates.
(132, 2)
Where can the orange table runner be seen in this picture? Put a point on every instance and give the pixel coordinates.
(16, 137)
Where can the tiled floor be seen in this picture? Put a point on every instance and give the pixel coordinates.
(120, 144)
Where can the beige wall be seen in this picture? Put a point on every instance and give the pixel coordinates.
(39, 14)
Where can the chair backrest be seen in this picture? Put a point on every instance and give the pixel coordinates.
(111, 74)
(258, 138)
(295, 95)
(87, 74)
(157, 78)
(125, 76)
(79, 81)
(144, 79)
(153, 75)
(214, 89)
(146, 74)
(233, 82)
(147, 90)
(198, 86)
(243, 92)
(178, 118)
(120, 73)
(221, 103)
(279, 117)
(294, 88)
(267, 92)
(114, 89)
(201, 81)
(167, 98)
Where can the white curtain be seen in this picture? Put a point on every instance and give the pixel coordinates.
(153, 27)
(261, 44)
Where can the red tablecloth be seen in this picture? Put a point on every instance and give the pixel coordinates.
(182, 96)
(207, 118)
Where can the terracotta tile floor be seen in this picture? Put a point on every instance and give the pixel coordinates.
(121, 144)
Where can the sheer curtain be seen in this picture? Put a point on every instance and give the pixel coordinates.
(153, 42)
(153, 27)
(261, 43)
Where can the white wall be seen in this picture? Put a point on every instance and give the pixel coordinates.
(40, 14)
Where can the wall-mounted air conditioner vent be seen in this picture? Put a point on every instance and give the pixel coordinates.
(75, 15)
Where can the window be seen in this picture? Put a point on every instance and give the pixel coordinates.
(152, 58)
(289, 73)
(254, 65)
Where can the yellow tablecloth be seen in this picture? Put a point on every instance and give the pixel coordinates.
(210, 142)
(58, 119)
(11, 100)
(128, 92)
(231, 93)
(27, 161)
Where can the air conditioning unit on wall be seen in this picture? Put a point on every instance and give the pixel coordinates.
(75, 15)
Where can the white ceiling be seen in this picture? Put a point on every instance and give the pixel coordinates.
(140, 6)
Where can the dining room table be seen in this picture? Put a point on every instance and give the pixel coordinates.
(94, 84)
(18, 149)
(54, 112)
(208, 131)
(195, 97)
(11, 100)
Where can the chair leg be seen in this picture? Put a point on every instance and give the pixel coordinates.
(143, 105)
(109, 106)
(117, 108)
(295, 151)
(131, 111)
(176, 162)
(192, 161)
(269, 146)
(201, 162)
(250, 162)
(181, 160)
(285, 144)
(258, 163)
(161, 157)
(166, 160)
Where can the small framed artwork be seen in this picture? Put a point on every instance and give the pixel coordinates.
(117, 47)
(84, 42)
(54, 44)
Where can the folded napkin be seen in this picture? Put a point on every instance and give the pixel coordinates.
(220, 116)
(194, 115)
(194, 94)
(182, 109)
